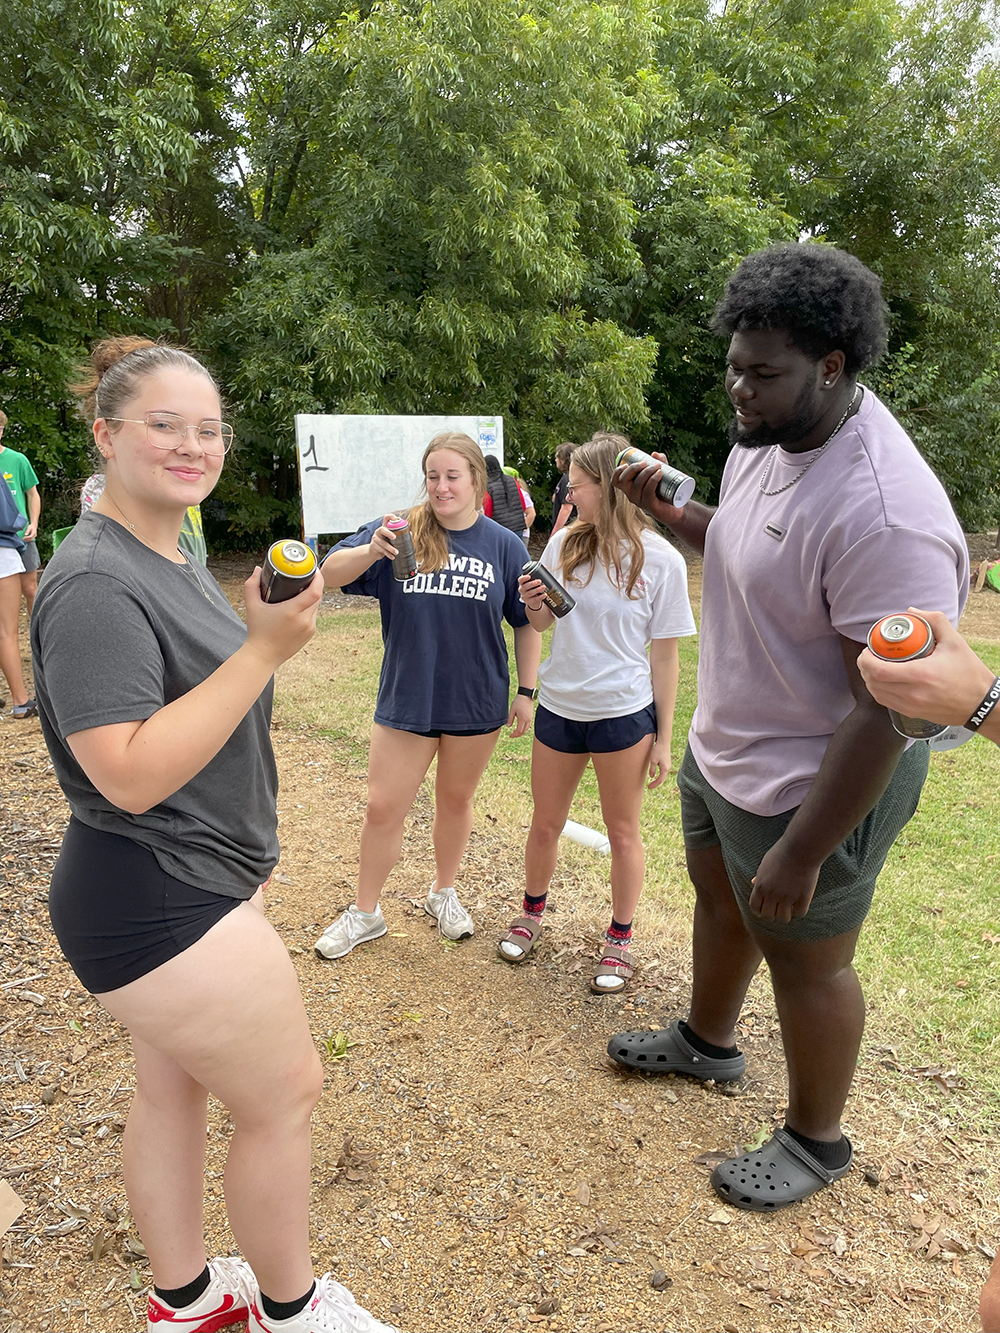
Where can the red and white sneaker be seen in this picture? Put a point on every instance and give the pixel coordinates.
(332, 1310)
(226, 1300)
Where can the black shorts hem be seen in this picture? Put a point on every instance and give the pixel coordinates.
(117, 914)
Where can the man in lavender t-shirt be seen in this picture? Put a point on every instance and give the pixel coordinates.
(795, 783)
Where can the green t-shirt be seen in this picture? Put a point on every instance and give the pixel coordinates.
(19, 476)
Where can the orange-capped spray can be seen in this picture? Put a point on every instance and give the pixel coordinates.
(289, 567)
(905, 638)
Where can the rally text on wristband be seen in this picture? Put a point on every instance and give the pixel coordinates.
(986, 707)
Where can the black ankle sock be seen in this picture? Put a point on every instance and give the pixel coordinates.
(832, 1155)
(534, 906)
(178, 1297)
(286, 1309)
(706, 1047)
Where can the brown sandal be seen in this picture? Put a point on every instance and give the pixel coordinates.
(523, 934)
(617, 963)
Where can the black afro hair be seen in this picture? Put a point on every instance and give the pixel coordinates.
(826, 299)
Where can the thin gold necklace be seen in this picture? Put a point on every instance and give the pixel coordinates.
(139, 537)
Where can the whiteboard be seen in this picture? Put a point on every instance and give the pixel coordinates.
(356, 468)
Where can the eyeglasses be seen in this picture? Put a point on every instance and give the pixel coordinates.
(571, 490)
(167, 430)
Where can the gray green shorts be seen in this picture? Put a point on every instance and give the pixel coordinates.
(846, 883)
(30, 557)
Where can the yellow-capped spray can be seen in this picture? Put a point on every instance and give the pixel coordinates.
(289, 567)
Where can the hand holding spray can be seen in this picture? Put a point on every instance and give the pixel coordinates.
(404, 564)
(674, 488)
(555, 597)
(905, 638)
(289, 567)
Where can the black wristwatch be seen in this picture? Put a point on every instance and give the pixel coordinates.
(528, 694)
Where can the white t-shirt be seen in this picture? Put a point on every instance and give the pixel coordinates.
(598, 666)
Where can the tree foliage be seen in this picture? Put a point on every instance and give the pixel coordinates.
(517, 206)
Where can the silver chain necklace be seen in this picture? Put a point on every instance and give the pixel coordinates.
(187, 565)
(815, 458)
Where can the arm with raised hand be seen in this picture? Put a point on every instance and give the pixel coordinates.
(638, 484)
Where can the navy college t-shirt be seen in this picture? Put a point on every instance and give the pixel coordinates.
(445, 662)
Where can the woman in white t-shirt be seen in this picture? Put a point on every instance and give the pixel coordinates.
(601, 697)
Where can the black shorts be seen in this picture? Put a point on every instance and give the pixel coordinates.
(117, 915)
(436, 735)
(602, 737)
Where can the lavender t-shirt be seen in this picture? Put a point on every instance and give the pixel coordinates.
(867, 531)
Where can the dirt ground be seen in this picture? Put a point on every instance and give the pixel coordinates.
(478, 1161)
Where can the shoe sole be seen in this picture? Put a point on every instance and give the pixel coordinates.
(332, 957)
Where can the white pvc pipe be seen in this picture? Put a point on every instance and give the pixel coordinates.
(586, 837)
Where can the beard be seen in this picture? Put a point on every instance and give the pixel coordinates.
(806, 412)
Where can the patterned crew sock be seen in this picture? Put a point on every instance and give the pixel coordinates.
(619, 935)
(534, 906)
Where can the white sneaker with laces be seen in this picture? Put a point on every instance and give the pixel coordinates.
(453, 920)
(332, 1309)
(226, 1300)
(351, 927)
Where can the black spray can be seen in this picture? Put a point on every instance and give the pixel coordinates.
(556, 598)
(404, 564)
(675, 488)
(289, 567)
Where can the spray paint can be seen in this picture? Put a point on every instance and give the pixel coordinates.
(555, 597)
(289, 567)
(404, 562)
(675, 488)
(905, 638)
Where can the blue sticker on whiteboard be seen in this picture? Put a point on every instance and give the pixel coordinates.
(487, 434)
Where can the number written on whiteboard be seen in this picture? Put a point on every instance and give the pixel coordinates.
(314, 466)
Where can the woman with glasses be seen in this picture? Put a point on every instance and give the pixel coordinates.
(601, 697)
(155, 702)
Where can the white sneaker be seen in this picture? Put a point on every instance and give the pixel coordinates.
(332, 1310)
(453, 920)
(351, 927)
(226, 1300)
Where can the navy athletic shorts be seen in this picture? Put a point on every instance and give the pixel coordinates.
(601, 737)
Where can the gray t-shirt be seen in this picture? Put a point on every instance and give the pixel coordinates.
(117, 633)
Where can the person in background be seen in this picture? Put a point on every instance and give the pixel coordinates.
(155, 702)
(529, 510)
(795, 784)
(503, 499)
(606, 694)
(20, 477)
(444, 689)
(192, 534)
(563, 510)
(11, 569)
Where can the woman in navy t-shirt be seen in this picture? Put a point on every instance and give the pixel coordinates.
(444, 687)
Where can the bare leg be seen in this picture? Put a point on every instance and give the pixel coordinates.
(461, 762)
(228, 1013)
(397, 764)
(725, 956)
(163, 1155)
(555, 777)
(10, 649)
(822, 1013)
(29, 587)
(621, 779)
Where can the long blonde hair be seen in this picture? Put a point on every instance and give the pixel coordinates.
(619, 522)
(430, 539)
